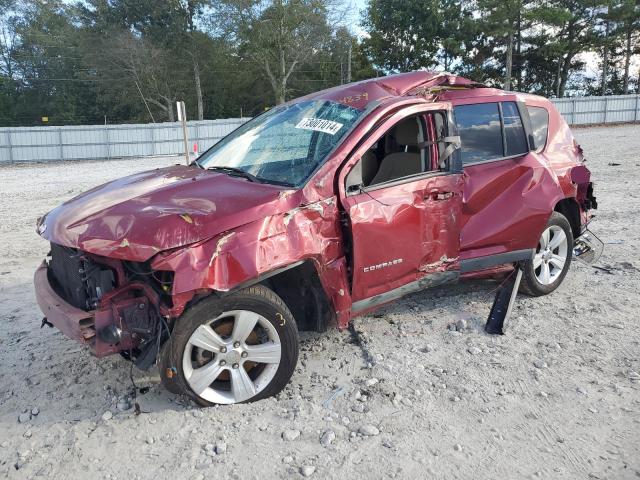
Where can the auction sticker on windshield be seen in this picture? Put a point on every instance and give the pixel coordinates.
(319, 125)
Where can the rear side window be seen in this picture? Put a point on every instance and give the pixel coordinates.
(515, 138)
(540, 125)
(480, 132)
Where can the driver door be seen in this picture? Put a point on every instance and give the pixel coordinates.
(403, 198)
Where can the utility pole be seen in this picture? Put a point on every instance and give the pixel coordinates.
(349, 63)
(182, 117)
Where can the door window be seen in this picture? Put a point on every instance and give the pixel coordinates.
(411, 147)
(515, 138)
(480, 132)
(540, 125)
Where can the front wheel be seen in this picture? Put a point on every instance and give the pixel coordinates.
(548, 267)
(233, 349)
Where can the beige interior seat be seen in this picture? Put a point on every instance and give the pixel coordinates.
(370, 167)
(401, 164)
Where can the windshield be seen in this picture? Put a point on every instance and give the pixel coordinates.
(286, 144)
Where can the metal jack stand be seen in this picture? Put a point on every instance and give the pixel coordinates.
(501, 308)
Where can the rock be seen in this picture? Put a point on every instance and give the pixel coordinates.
(307, 470)
(150, 440)
(371, 382)
(24, 417)
(457, 447)
(327, 438)
(474, 350)
(368, 430)
(290, 435)
(221, 448)
(358, 407)
(634, 375)
(428, 348)
(287, 459)
(35, 411)
(461, 324)
(123, 405)
(107, 415)
(540, 364)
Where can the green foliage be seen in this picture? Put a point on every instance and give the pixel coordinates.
(91, 61)
(131, 60)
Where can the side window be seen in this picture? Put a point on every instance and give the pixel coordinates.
(540, 125)
(480, 132)
(413, 146)
(515, 138)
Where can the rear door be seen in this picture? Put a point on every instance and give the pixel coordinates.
(503, 207)
(404, 231)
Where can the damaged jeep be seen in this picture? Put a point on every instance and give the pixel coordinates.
(316, 211)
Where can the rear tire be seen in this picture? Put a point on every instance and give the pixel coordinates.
(233, 349)
(551, 260)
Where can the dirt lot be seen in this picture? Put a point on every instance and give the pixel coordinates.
(557, 397)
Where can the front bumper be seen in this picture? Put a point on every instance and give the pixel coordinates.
(75, 323)
(120, 308)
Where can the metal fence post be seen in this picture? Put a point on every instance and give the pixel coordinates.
(197, 139)
(635, 112)
(8, 133)
(107, 141)
(606, 108)
(60, 143)
(152, 138)
(573, 111)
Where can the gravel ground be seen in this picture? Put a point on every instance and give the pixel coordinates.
(402, 397)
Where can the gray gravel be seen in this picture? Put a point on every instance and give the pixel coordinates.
(445, 403)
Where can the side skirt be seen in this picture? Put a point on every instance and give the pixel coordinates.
(441, 278)
(488, 261)
(432, 280)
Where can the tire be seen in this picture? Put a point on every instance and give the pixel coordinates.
(545, 271)
(215, 355)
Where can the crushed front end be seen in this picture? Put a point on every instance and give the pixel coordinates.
(109, 305)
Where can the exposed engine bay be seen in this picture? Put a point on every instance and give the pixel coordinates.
(122, 300)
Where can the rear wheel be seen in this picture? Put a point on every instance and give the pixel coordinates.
(550, 263)
(234, 349)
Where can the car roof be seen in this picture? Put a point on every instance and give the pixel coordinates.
(420, 84)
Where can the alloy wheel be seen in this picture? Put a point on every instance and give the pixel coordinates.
(232, 358)
(551, 255)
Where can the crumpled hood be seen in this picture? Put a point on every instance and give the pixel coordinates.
(135, 217)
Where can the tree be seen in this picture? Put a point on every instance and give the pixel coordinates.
(626, 15)
(278, 36)
(403, 34)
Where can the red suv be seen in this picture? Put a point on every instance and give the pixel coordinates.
(314, 212)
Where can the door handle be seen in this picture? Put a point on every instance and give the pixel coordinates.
(439, 196)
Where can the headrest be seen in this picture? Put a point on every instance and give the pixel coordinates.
(406, 132)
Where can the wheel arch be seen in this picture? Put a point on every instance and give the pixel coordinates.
(571, 211)
(300, 288)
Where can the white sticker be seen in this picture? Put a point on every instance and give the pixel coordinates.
(319, 125)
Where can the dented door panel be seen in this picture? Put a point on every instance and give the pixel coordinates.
(404, 232)
(506, 204)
